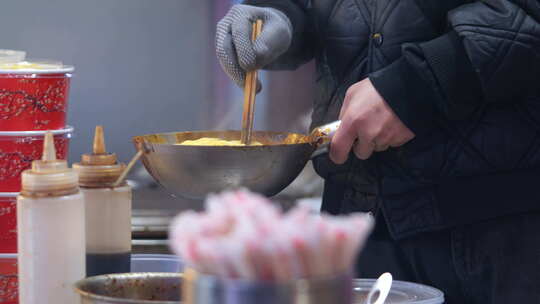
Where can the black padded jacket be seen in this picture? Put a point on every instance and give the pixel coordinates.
(463, 75)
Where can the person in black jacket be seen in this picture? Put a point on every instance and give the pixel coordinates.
(440, 134)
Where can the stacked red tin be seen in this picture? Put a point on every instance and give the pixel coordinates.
(33, 100)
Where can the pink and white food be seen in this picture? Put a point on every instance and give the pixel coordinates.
(242, 235)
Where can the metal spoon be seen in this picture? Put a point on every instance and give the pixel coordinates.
(381, 288)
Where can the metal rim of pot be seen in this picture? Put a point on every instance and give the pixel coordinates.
(93, 296)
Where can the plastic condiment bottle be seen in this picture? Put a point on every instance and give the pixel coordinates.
(108, 211)
(51, 232)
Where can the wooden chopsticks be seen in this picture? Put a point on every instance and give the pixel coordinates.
(250, 91)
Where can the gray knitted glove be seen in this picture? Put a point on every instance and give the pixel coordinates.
(235, 50)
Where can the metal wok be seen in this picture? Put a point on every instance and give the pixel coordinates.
(194, 171)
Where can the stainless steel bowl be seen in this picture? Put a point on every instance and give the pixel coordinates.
(130, 288)
(194, 171)
(166, 288)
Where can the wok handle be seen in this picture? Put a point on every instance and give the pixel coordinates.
(322, 136)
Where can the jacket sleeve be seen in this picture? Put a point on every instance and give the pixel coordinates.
(301, 49)
(491, 54)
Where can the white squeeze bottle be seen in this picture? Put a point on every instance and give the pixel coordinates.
(108, 210)
(51, 234)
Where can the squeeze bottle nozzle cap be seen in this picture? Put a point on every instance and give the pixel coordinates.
(49, 175)
(99, 168)
(99, 157)
(48, 160)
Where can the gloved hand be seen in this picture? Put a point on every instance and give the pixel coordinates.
(235, 50)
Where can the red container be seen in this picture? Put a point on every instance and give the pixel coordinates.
(9, 286)
(8, 223)
(19, 149)
(33, 96)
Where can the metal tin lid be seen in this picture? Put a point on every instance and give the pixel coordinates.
(68, 130)
(401, 292)
(35, 67)
(15, 62)
(9, 256)
(8, 194)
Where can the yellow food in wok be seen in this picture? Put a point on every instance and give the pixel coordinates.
(211, 141)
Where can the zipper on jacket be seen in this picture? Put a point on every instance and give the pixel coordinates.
(372, 31)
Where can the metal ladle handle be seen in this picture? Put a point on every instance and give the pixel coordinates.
(322, 136)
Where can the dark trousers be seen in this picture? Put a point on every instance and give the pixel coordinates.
(490, 262)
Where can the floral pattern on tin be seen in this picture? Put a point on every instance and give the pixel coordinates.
(18, 157)
(9, 289)
(37, 101)
(8, 225)
(9, 285)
